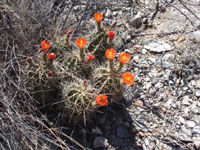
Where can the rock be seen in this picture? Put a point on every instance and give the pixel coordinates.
(136, 58)
(136, 21)
(197, 84)
(167, 65)
(184, 134)
(100, 141)
(190, 124)
(185, 100)
(168, 103)
(158, 46)
(181, 120)
(126, 36)
(147, 86)
(196, 143)
(168, 57)
(152, 60)
(196, 131)
(197, 119)
(121, 131)
(197, 93)
(108, 13)
(144, 51)
(139, 103)
(194, 108)
(196, 36)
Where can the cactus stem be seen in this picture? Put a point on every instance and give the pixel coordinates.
(82, 54)
(120, 67)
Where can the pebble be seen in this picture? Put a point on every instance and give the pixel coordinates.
(168, 57)
(196, 143)
(139, 103)
(144, 51)
(152, 60)
(190, 124)
(181, 120)
(136, 58)
(196, 36)
(108, 13)
(197, 84)
(136, 21)
(185, 100)
(100, 141)
(126, 36)
(197, 93)
(158, 46)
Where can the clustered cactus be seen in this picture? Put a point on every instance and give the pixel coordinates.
(85, 78)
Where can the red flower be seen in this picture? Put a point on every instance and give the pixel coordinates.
(45, 45)
(102, 100)
(98, 17)
(124, 58)
(111, 35)
(128, 78)
(111, 53)
(51, 56)
(50, 73)
(69, 33)
(81, 42)
(91, 57)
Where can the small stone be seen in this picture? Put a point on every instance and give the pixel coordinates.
(126, 36)
(158, 46)
(139, 103)
(136, 21)
(108, 13)
(197, 93)
(136, 58)
(167, 65)
(194, 108)
(196, 36)
(152, 60)
(181, 120)
(147, 86)
(190, 124)
(196, 131)
(196, 143)
(168, 57)
(197, 84)
(168, 103)
(144, 51)
(100, 141)
(185, 100)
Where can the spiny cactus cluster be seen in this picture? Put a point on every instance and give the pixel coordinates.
(84, 78)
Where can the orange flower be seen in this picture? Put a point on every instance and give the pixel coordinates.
(91, 57)
(128, 78)
(124, 58)
(45, 45)
(110, 53)
(51, 56)
(98, 17)
(111, 35)
(102, 100)
(81, 42)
